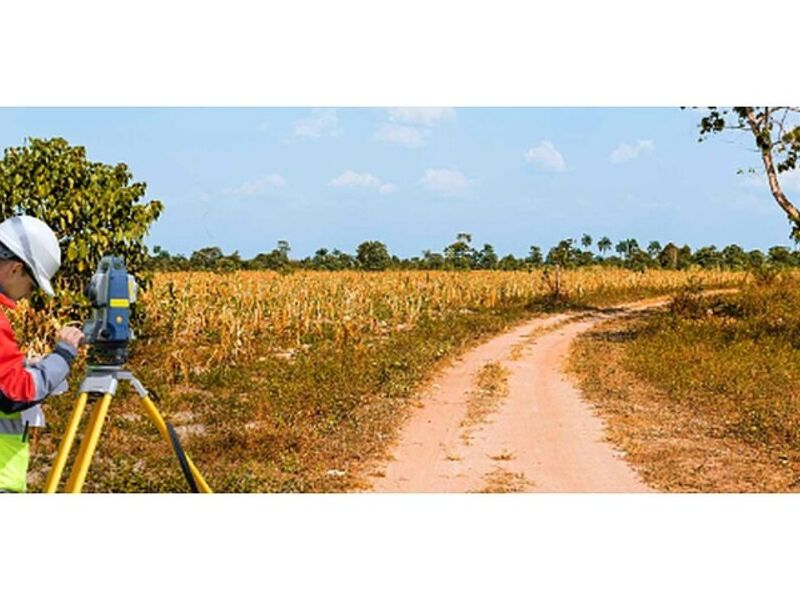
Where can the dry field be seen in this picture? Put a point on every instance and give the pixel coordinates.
(289, 382)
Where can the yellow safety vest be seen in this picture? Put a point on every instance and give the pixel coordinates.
(14, 454)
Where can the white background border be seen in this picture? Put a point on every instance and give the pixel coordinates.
(351, 53)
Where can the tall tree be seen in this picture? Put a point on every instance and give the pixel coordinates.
(734, 257)
(509, 263)
(756, 258)
(459, 254)
(562, 254)
(487, 258)
(654, 248)
(373, 256)
(684, 256)
(586, 240)
(535, 256)
(604, 245)
(776, 131)
(668, 257)
(707, 256)
(320, 259)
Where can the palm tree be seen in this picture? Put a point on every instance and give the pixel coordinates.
(604, 245)
(586, 240)
(627, 247)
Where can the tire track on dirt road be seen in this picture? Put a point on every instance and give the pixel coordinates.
(542, 437)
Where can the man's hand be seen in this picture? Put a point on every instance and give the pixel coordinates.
(71, 336)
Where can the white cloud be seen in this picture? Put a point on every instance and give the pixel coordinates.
(410, 127)
(625, 152)
(410, 137)
(352, 179)
(446, 182)
(546, 157)
(257, 187)
(322, 122)
(421, 116)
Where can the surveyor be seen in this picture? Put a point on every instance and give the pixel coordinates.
(29, 258)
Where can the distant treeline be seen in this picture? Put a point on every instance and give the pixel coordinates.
(461, 256)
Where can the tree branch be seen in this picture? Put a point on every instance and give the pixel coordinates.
(766, 156)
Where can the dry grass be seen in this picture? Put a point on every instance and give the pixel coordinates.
(503, 455)
(491, 386)
(702, 396)
(191, 322)
(501, 481)
(290, 383)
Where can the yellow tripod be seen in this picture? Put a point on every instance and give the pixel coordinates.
(101, 379)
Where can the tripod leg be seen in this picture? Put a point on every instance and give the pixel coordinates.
(156, 417)
(54, 477)
(88, 445)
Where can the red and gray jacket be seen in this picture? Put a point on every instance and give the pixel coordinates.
(21, 385)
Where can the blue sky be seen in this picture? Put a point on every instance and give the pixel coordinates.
(244, 178)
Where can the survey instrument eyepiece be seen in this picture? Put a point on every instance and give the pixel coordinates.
(111, 291)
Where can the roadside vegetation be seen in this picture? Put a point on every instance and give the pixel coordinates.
(703, 396)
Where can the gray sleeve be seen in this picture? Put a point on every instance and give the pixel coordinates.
(52, 370)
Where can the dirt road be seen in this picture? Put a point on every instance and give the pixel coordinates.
(539, 437)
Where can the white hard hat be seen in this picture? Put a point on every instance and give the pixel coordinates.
(34, 243)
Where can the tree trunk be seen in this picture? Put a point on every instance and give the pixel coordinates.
(769, 165)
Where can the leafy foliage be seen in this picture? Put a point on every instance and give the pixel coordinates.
(94, 208)
(372, 256)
